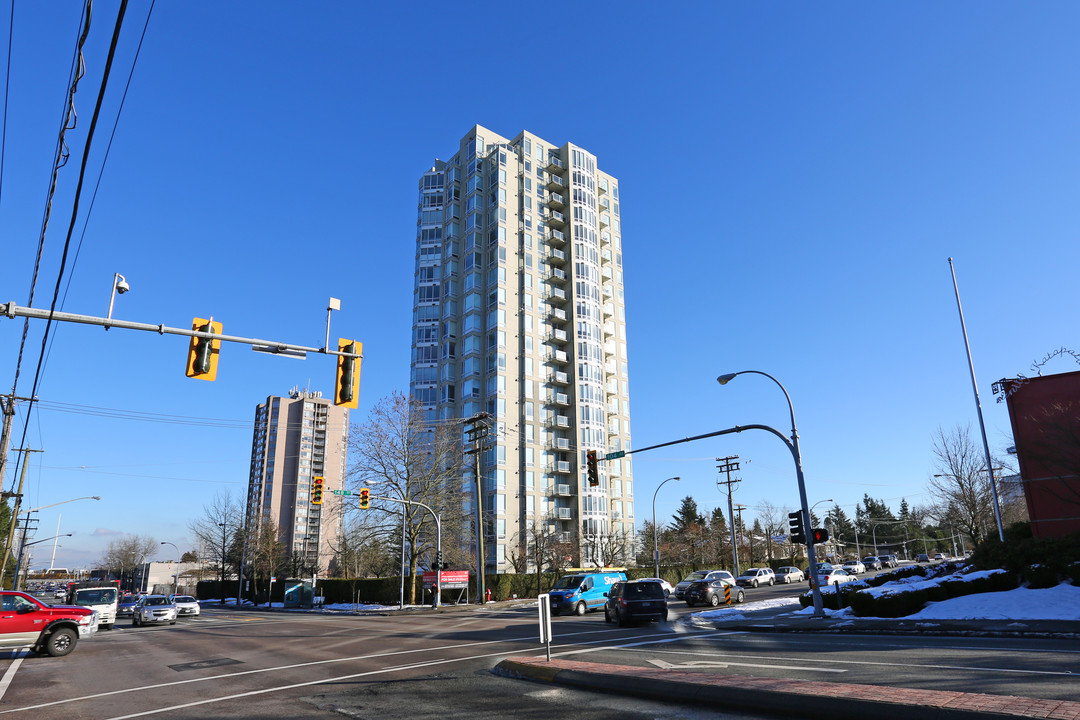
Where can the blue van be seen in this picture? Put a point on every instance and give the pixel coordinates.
(582, 591)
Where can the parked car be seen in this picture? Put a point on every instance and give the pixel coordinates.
(663, 583)
(888, 561)
(836, 575)
(635, 600)
(50, 629)
(872, 562)
(712, 592)
(790, 575)
(186, 606)
(854, 567)
(921, 558)
(757, 576)
(153, 610)
(939, 557)
(697, 575)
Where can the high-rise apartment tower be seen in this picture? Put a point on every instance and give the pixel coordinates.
(297, 439)
(518, 313)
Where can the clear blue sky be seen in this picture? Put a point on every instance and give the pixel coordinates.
(794, 178)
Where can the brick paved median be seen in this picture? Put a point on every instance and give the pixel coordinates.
(796, 697)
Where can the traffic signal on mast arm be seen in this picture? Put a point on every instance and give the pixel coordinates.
(594, 473)
(796, 527)
(316, 490)
(819, 535)
(348, 374)
(203, 352)
(365, 498)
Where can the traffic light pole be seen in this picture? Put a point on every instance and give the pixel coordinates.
(793, 446)
(274, 347)
(438, 538)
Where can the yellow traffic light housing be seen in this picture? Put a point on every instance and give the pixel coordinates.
(316, 490)
(365, 498)
(348, 374)
(202, 361)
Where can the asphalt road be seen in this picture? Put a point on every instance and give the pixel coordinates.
(255, 664)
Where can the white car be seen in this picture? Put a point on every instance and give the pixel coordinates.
(790, 575)
(697, 575)
(836, 575)
(153, 610)
(854, 567)
(663, 583)
(186, 606)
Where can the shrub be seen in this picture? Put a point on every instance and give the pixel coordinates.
(1040, 576)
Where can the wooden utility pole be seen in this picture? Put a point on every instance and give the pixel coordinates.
(14, 516)
(728, 465)
(477, 431)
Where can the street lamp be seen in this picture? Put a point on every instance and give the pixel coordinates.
(18, 562)
(793, 446)
(27, 513)
(176, 577)
(656, 546)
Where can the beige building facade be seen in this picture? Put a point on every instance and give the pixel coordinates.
(296, 439)
(519, 313)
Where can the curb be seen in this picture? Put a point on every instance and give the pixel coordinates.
(780, 696)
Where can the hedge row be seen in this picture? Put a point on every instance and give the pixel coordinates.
(905, 599)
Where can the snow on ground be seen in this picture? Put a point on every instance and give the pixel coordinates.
(1061, 602)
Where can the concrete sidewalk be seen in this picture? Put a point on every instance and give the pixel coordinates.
(794, 698)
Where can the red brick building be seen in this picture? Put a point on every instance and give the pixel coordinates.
(1045, 416)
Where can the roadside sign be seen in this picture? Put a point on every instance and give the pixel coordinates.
(615, 455)
(341, 492)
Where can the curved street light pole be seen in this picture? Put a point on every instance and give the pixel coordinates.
(176, 577)
(18, 562)
(793, 446)
(656, 547)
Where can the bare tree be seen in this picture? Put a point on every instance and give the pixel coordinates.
(217, 532)
(123, 555)
(399, 456)
(774, 523)
(961, 485)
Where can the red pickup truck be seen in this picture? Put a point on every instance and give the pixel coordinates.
(50, 629)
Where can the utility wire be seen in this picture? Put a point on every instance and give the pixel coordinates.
(75, 208)
(59, 160)
(7, 86)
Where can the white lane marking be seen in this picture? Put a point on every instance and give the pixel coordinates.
(226, 676)
(891, 664)
(698, 664)
(9, 675)
(909, 646)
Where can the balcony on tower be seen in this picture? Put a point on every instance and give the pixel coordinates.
(560, 466)
(555, 314)
(558, 377)
(556, 237)
(556, 201)
(555, 183)
(557, 337)
(605, 220)
(555, 295)
(555, 257)
(566, 514)
(556, 219)
(557, 356)
(555, 164)
(557, 275)
(562, 490)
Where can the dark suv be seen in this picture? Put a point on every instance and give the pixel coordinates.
(711, 592)
(635, 600)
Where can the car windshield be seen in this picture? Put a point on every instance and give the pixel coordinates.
(101, 596)
(695, 576)
(156, 601)
(184, 599)
(570, 581)
(643, 591)
(751, 572)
